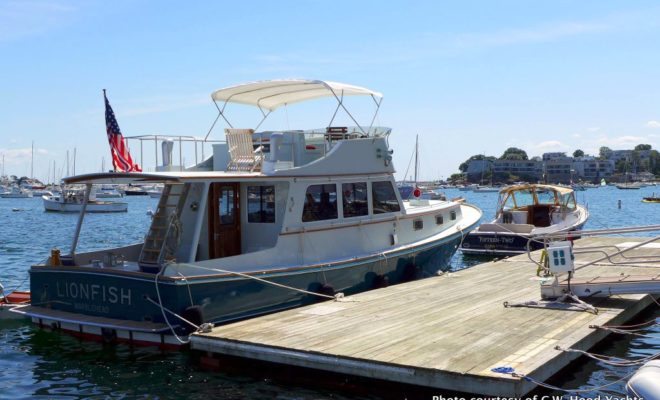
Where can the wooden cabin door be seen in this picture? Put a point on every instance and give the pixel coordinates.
(224, 220)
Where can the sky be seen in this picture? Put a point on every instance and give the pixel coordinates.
(468, 77)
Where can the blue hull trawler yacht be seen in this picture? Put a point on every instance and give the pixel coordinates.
(272, 220)
(525, 213)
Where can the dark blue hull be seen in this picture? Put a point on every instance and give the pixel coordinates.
(89, 292)
(502, 243)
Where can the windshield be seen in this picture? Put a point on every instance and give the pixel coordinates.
(545, 196)
(568, 201)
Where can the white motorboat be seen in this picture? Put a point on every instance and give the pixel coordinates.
(73, 201)
(108, 192)
(155, 192)
(41, 192)
(16, 193)
(524, 212)
(273, 220)
(485, 189)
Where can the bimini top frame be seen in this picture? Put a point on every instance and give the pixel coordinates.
(270, 95)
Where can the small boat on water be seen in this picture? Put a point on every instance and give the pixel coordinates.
(651, 199)
(16, 193)
(485, 189)
(524, 212)
(155, 193)
(108, 192)
(135, 191)
(629, 186)
(73, 201)
(11, 301)
(254, 229)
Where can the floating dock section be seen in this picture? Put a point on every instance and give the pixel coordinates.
(446, 332)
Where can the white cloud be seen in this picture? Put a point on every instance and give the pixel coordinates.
(535, 34)
(653, 124)
(626, 141)
(26, 17)
(550, 144)
(18, 156)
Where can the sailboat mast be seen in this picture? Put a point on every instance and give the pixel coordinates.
(416, 156)
(32, 162)
(74, 161)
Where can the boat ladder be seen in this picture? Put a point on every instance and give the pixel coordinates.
(164, 228)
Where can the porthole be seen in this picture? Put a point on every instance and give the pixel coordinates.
(439, 220)
(452, 215)
(418, 224)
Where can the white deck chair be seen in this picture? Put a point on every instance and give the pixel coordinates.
(243, 156)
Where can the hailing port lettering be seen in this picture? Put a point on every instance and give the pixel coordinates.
(94, 292)
(500, 239)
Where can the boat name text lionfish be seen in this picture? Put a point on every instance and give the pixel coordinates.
(94, 292)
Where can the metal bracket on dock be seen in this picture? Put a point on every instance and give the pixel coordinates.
(567, 301)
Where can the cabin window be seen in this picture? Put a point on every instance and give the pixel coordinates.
(418, 224)
(226, 205)
(261, 204)
(320, 203)
(439, 220)
(384, 198)
(354, 197)
(452, 215)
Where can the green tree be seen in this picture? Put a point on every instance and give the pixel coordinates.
(514, 153)
(622, 166)
(455, 178)
(643, 147)
(464, 165)
(604, 153)
(578, 153)
(654, 162)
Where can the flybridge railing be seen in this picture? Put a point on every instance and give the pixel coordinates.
(321, 139)
(200, 148)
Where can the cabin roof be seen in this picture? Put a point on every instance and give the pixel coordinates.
(184, 176)
(562, 190)
(275, 93)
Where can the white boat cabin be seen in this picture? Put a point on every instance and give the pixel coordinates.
(283, 198)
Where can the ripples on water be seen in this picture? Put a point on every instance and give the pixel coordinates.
(49, 365)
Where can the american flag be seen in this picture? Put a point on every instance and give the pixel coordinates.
(121, 157)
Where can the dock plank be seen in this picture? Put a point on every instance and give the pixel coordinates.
(446, 332)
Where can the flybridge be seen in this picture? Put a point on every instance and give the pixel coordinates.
(270, 95)
(267, 96)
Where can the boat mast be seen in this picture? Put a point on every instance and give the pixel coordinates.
(32, 162)
(74, 161)
(416, 157)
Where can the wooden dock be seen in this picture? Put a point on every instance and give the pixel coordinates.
(445, 332)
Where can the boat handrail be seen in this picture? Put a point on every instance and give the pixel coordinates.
(198, 143)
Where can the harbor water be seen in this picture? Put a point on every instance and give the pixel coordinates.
(51, 365)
